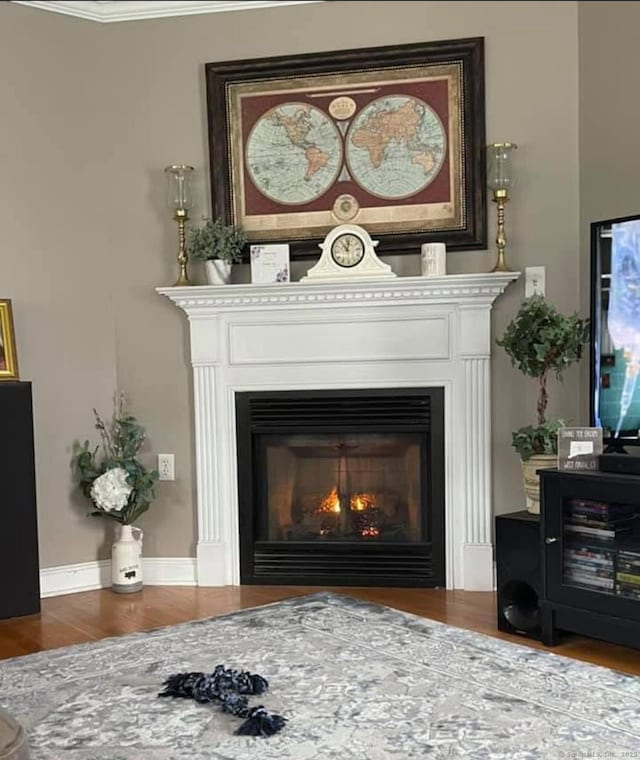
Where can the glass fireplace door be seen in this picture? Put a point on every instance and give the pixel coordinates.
(343, 487)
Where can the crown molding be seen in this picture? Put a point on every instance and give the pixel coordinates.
(134, 10)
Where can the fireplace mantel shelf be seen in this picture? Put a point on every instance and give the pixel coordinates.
(461, 287)
(405, 332)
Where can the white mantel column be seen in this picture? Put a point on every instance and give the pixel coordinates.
(217, 557)
(211, 559)
(475, 352)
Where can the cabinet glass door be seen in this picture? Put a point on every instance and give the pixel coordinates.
(601, 547)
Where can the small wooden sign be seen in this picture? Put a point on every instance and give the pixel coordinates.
(579, 448)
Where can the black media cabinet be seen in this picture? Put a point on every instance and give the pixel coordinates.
(590, 543)
(19, 567)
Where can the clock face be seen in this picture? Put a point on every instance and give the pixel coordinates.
(347, 250)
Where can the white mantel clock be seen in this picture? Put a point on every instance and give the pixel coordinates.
(348, 252)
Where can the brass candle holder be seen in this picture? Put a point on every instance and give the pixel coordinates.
(180, 200)
(500, 181)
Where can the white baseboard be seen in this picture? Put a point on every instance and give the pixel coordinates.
(169, 571)
(477, 567)
(87, 576)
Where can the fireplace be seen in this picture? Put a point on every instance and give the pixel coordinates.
(409, 332)
(342, 487)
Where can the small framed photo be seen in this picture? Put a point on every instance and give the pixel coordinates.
(8, 357)
(579, 448)
(270, 263)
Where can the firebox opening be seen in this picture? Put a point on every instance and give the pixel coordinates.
(341, 487)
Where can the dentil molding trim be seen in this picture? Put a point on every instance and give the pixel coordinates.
(461, 287)
(134, 10)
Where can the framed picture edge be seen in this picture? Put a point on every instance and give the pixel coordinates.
(470, 50)
(7, 338)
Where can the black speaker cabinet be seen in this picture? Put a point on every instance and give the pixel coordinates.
(19, 567)
(519, 575)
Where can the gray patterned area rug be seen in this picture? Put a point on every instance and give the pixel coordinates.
(356, 681)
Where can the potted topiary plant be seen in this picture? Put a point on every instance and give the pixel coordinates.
(219, 245)
(540, 340)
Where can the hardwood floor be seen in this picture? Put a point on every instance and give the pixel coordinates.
(93, 615)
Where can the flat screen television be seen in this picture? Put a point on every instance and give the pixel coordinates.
(615, 330)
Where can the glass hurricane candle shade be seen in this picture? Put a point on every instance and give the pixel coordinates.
(179, 196)
(499, 169)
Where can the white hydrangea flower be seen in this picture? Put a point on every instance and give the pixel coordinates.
(110, 492)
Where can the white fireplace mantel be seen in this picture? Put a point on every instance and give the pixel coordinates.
(406, 332)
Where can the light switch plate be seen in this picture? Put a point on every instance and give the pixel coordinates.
(534, 281)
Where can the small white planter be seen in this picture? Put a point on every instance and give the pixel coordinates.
(218, 271)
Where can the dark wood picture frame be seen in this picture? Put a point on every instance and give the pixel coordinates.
(451, 208)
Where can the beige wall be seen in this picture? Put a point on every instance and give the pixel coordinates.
(148, 109)
(54, 262)
(609, 111)
(609, 124)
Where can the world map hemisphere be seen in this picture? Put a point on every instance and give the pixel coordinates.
(395, 147)
(294, 153)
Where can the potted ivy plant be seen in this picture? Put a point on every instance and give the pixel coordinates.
(541, 341)
(219, 245)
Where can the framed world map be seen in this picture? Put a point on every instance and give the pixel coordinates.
(389, 138)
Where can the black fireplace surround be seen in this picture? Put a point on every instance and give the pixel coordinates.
(341, 487)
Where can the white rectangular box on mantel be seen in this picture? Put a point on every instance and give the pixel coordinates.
(405, 333)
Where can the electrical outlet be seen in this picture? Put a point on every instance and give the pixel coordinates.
(166, 467)
(534, 281)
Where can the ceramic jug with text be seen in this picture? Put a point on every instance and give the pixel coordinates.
(126, 560)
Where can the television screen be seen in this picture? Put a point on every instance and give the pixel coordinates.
(615, 330)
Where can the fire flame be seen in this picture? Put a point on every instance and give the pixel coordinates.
(364, 524)
(331, 503)
(358, 502)
(361, 501)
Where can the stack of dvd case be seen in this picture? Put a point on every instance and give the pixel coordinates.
(592, 530)
(628, 572)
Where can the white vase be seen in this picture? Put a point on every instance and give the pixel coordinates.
(126, 560)
(218, 271)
